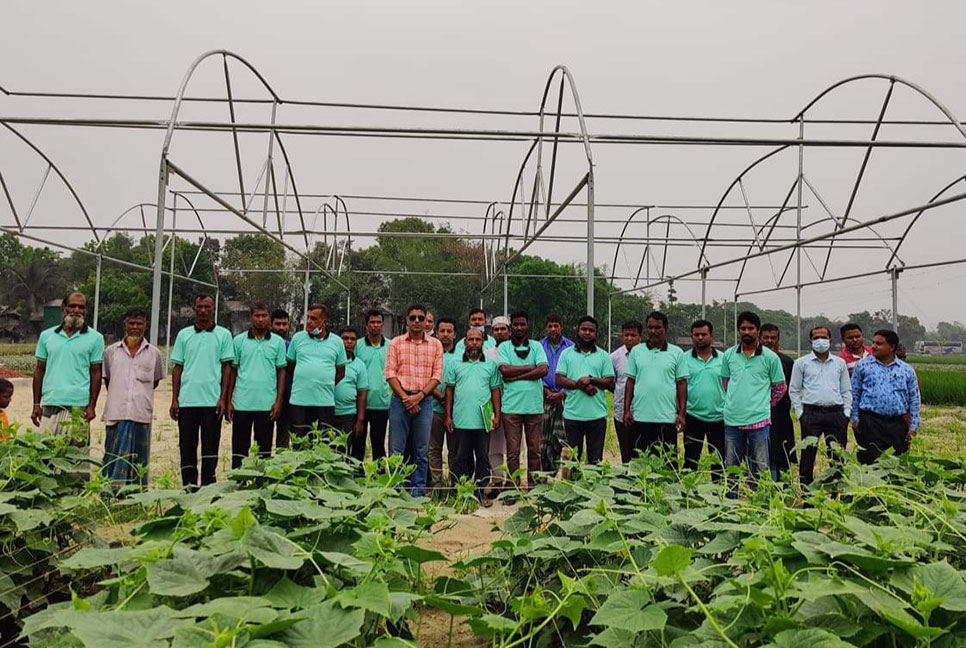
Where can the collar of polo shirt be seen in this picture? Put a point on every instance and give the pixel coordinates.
(83, 329)
(251, 334)
(209, 329)
(694, 352)
(663, 346)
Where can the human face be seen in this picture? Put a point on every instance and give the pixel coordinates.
(315, 319)
(501, 332)
(748, 333)
(820, 334)
(374, 325)
(587, 334)
(260, 320)
(631, 337)
(656, 332)
(478, 319)
(701, 338)
(854, 341)
(519, 328)
(74, 311)
(281, 326)
(881, 348)
(446, 334)
(770, 339)
(204, 310)
(553, 331)
(134, 327)
(5, 398)
(349, 339)
(415, 321)
(430, 324)
(474, 342)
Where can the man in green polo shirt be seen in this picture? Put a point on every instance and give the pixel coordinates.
(753, 380)
(523, 364)
(438, 434)
(372, 351)
(257, 386)
(202, 358)
(476, 322)
(351, 394)
(318, 362)
(656, 394)
(704, 419)
(585, 371)
(68, 370)
(471, 381)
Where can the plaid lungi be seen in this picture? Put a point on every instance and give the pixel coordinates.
(554, 437)
(127, 448)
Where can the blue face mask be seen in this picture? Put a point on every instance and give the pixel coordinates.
(821, 345)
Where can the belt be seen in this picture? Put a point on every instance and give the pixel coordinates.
(884, 417)
(824, 408)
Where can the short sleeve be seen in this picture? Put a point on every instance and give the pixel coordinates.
(106, 371)
(495, 380)
(563, 364)
(341, 359)
(290, 353)
(41, 352)
(631, 370)
(776, 372)
(392, 360)
(236, 356)
(449, 373)
(726, 364)
(97, 352)
(227, 350)
(541, 356)
(681, 370)
(280, 360)
(362, 377)
(177, 355)
(607, 367)
(502, 357)
(158, 366)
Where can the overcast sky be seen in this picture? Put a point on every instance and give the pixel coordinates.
(749, 59)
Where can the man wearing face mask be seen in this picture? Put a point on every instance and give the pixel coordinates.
(317, 360)
(476, 322)
(821, 393)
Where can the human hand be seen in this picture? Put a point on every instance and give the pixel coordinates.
(220, 408)
(173, 410)
(275, 412)
(89, 413)
(229, 412)
(448, 424)
(35, 414)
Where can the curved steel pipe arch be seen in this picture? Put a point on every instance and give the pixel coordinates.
(905, 233)
(668, 218)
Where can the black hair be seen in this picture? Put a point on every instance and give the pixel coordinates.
(280, 313)
(851, 326)
(348, 329)
(135, 312)
(587, 318)
(5, 386)
(658, 315)
(373, 312)
(415, 307)
(768, 326)
(201, 296)
(701, 323)
(259, 306)
(445, 320)
(552, 317)
(477, 310)
(319, 306)
(815, 328)
(890, 336)
(522, 313)
(750, 317)
(633, 324)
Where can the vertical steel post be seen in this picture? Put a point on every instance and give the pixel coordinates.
(305, 308)
(268, 169)
(158, 251)
(704, 293)
(348, 307)
(610, 326)
(895, 300)
(97, 291)
(798, 239)
(735, 323)
(174, 245)
(506, 295)
(590, 242)
(217, 299)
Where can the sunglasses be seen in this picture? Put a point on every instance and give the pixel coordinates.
(417, 318)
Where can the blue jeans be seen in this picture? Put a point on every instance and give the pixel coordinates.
(402, 427)
(752, 446)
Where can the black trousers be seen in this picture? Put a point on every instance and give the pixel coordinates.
(878, 433)
(304, 417)
(473, 457)
(346, 423)
(376, 423)
(283, 426)
(695, 432)
(782, 441)
(192, 422)
(241, 435)
(626, 440)
(589, 433)
(815, 422)
(656, 434)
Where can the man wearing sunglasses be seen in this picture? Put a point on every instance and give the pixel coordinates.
(414, 367)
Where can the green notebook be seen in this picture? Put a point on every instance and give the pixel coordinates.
(486, 411)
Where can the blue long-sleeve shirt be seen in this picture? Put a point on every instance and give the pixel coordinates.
(885, 389)
(550, 380)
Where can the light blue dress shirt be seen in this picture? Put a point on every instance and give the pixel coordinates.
(886, 389)
(824, 383)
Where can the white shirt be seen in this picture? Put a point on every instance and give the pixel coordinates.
(820, 383)
(619, 359)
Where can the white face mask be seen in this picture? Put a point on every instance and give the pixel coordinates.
(316, 331)
(821, 345)
(481, 329)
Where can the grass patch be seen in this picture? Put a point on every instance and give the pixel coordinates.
(942, 387)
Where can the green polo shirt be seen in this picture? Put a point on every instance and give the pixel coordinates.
(748, 399)
(356, 380)
(574, 364)
(656, 373)
(472, 383)
(522, 396)
(313, 384)
(201, 354)
(438, 406)
(67, 378)
(257, 362)
(705, 393)
(488, 343)
(374, 358)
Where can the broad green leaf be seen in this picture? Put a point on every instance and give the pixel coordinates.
(450, 585)
(615, 638)
(91, 558)
(250, 609)
(289, 595)
(176, 576)
(372, 596)
(28, 519)
(491, 625)
(451, 605)
(819, 585)
(420, 555)
(722, 543)
(271, 549)
(893, 610)
(349, 562)
(389, 642)
(807, 638)
(630, 610)
(243, 521)
(672, 560)
(945, 583)
(324, 626)
(122, 629)
(573, 608)
(400, 603)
